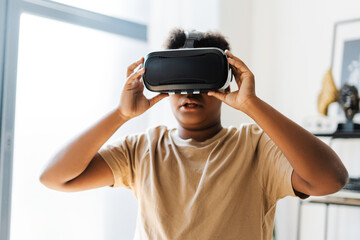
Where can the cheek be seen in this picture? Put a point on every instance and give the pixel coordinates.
(173, 103)
(214, 103)
(214, 109)
(174, 98)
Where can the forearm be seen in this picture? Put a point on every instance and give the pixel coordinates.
(312, 160)
(73, 159)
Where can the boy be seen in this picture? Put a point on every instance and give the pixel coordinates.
(200, 180)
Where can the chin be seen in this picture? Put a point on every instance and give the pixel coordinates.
(190, 120)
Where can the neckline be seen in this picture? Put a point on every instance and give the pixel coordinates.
(174, 133)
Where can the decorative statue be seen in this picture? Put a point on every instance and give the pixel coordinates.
(349, 101)
(347, 97)
(329, 93)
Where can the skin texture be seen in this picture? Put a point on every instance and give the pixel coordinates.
(78, 166)
(201, 124)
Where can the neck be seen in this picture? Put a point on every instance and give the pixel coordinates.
(201, 134)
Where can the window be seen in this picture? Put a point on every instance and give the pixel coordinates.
(67, 67)
(135, 10)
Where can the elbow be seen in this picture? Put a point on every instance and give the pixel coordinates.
(343, 179)
(330, 183)
(338, 177)
(45, 180)
(50, 183)
(338, 181)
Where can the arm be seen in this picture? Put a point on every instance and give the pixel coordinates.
(317, 168)
(78, 166)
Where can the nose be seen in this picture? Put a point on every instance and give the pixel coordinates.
(198, 97)
(195, 94)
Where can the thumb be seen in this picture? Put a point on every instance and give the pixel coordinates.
(218, 95)
(157, 98)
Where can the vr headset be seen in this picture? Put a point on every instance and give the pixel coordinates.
(187, 70)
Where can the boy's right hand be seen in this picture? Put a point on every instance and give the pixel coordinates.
(133, 102)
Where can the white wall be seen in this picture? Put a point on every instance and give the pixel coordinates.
(235, 24)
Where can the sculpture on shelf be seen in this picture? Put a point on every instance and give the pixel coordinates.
(349, 101)
(347, 97)
(328, 94)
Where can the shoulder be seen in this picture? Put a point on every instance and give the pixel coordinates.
(251, 129)
(248, 133)
(150, 132)
(138, 141)
(246, 130)
(157, 132)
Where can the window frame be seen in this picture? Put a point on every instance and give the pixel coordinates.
(10, 12)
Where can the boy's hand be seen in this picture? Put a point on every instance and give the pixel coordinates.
(133, 102)
(317, 168)
(244, 79)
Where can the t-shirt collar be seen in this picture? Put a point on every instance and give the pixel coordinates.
(174, 134)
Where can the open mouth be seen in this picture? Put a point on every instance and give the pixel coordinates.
(190, 106)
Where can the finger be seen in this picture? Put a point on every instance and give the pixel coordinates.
(157, 98)
(236, 72)
(233, 67)
(218, 95)
(239, 75)
(239, 65)
(135, 76)
(237, 62)
(229, 54)
(133, 66)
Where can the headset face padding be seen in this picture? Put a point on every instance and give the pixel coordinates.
(186, 70)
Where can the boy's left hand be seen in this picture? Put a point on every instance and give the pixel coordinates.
(244, 79)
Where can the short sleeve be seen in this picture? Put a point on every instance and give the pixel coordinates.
(120, 156)
(273, 169)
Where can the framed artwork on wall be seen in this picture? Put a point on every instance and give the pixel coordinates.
(346, 53)
(345, 58)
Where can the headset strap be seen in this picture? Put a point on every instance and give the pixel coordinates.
(191, 37)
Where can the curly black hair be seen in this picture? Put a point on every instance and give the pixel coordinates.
(177, 37)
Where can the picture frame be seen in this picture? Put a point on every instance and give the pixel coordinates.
(345, 58)
(345, 61)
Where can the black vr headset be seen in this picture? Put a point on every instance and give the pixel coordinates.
(187, 70)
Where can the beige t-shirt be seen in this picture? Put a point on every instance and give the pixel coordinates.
(223, 188)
